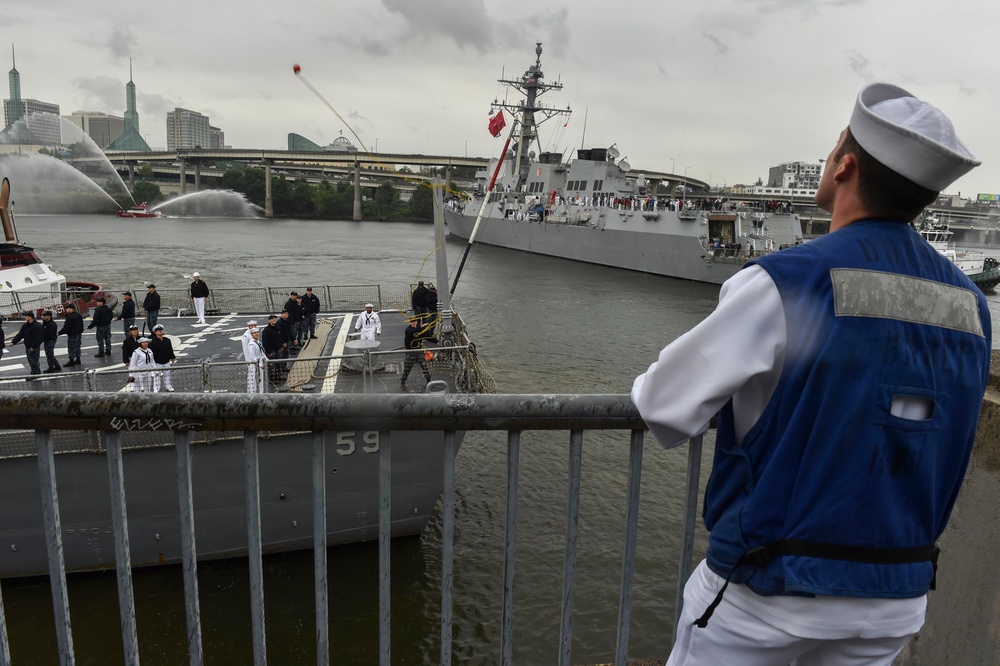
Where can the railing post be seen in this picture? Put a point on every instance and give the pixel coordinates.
(447, 545)
(569, 562)
(321, 581)
(510, 549)
(189, 552)
(123, 559)
(254, 554)
(384, 527)
(690, 520)
(628, 554)
(4, 641)
(53, 538)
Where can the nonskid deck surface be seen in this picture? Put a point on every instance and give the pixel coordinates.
(219, 343)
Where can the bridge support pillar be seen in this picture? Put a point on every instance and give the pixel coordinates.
(197, 176)
(131, 175)
(357, 192)
(183, 169)
(268, 202)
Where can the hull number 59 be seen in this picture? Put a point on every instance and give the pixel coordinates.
(348, 442)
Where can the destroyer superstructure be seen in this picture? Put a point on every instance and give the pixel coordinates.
(595, 209)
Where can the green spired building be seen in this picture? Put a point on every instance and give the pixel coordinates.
(131, 139)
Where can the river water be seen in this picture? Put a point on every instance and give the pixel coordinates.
(541, 325)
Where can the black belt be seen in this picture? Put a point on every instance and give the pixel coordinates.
(761, 556)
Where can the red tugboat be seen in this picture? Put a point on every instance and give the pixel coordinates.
(139, 211)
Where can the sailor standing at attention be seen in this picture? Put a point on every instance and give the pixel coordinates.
(127, 315)
(151, 304)
(848, 374)
(163, 355)
(141, 365)
(247, 337)
(368, 323)
(199, 292)
(257, 359)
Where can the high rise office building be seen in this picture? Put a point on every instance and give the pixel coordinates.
(187, 129)
(100, 127)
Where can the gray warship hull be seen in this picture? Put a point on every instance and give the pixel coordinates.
(211, 361)
(220, 515)
(662, 245)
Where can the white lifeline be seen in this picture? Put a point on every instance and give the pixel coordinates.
(369, 324)
(677, 396)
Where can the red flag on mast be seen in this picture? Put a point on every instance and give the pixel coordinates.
(497, 123)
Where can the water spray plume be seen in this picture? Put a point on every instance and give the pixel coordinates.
(305, 82)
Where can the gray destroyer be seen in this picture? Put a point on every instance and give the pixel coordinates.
(596, 210)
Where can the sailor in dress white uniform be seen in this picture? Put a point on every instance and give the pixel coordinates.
(255, 368)
(141, 366)
(368, 323)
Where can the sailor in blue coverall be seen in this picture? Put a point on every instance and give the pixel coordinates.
(847, 373)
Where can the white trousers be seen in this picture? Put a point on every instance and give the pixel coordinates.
(143, 381)
(368, 334)
(255, 377)
(736, 636)
(199, 308)
(161, 375)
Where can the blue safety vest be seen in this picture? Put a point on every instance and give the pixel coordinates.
(830, 493)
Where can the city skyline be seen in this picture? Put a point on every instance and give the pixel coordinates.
(720, 92)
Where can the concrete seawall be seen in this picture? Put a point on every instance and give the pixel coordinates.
(963, 614)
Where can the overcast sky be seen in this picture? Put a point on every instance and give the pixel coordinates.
(720, 88)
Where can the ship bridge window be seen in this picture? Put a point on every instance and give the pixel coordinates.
(582, 185)
(598, 184)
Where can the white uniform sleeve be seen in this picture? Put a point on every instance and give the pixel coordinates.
(357, 325)
(736, 352)
(378, 325)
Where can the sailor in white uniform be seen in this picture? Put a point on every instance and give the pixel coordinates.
(368, 323)
(141, 366)
(257, 358)
(247, 338)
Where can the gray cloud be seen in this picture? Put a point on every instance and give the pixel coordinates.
(464, 22)
(153, 108)
(860, 65)
(101, 93)
(469, 26)
(122, 43)
(721, 48)
(968, 91)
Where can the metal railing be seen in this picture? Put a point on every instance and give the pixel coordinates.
(333, 298)
(388, 414)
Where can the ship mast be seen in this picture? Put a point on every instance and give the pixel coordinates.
(529, 110)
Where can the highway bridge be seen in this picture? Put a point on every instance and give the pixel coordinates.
(374, 168)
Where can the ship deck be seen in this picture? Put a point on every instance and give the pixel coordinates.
(210, 359)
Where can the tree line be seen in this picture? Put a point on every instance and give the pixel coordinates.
(302, 199)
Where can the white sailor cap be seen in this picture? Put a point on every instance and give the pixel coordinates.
(252, 322)
(143, 339)
(369, 305)
(158, 327)
(913, 138)
(196, 274)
